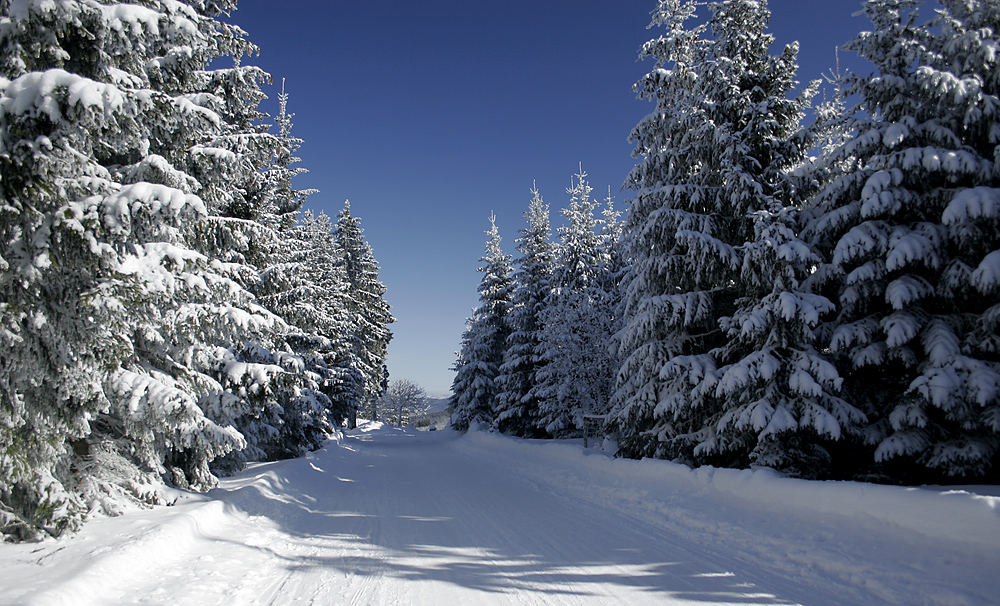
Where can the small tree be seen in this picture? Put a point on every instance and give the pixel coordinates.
(401, 401)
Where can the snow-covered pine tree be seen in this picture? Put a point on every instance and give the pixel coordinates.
(517, 406)
(474, 389)
(310, 293)
(777, 398)
(370, 333)
(576, 375)
(300, 280)
(666, 141)
(613, 253)
(911, 234)
(246, 176)
(611, 280)
(284, 201)
(119, 325)
(718, 355)
(285, 388)
(217, 344)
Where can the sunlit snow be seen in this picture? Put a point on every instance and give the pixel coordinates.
(386, 516)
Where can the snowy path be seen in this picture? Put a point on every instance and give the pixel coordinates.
(390, 517)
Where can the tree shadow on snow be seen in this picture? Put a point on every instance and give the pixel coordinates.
(402, 505)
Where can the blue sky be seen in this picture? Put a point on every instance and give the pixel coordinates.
(429, 115)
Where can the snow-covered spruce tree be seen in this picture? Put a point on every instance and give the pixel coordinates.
(246, 176)
(517, 405)
(611, 282)
(282, 202)
(119, 323)
(474, 389)
(300, 279)
(309, 291)
(776, 398)
(779, 399)
(369, 335)
(289, 406)
(665, 142)
(313, 409)
(577, 371)
(613, 253)
(229, 363)
(719, 363)
(911, 234)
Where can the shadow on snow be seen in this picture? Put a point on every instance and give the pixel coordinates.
(401, 504)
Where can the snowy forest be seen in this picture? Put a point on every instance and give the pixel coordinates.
(168, 312)
(802, 281)
(805, 278)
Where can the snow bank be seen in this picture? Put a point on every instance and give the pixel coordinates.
(145, 542)
(965, 514)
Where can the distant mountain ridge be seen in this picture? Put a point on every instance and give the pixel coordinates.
(437, 405)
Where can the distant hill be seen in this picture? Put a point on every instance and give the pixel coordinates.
(436, 414)
(436, 405)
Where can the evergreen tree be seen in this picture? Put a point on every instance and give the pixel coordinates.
(284, 201)
(719, 362)
(611, 281)
(777, 397)
(911, 240)
(124, 301)
(613, 253)
(294, 412)
(578, 320)
(318, 304)
(666, 140)
(579, 252)
(370, 333)
(780, 400)
(475, 389)
(302, 280)
(517, 404)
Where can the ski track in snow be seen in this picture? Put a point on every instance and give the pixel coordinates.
(383, 516)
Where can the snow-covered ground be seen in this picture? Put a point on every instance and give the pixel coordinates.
(383, 516)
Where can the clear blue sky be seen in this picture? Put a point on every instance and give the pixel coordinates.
(429, 115)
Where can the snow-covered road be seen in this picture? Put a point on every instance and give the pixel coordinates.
(391, 517)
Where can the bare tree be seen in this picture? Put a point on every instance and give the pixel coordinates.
(401, 400)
